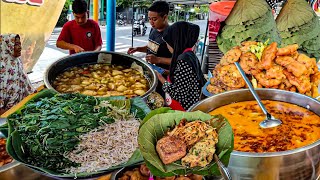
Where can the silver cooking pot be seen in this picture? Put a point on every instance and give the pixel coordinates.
(297, 164)
(80, 59)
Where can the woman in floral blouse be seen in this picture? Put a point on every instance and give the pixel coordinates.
(14, 83)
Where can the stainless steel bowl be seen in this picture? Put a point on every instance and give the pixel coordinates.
(297, 164)
(65, 63)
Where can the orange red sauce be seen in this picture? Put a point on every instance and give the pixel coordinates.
(300, 126)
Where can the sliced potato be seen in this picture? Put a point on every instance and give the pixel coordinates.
(76, 88)
(111, 86)
(139, 85)
(128, 92)
(140, 92)
(89, 92)
(131, 79)
(143, 81)
(121, 88)
(91, 87)
(101, 93)
(95, 75)
(85, 82)
(116, 72)
(102, 80)
(127, 70)
(118, 77)
(68, 74)
(115, 93)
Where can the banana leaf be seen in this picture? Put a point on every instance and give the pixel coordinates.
(156, 127)
(16, 146)
(155, 112)
(247, 10)
(294, 13)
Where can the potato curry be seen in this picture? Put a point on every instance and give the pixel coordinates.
(102, 80)
(300, 126)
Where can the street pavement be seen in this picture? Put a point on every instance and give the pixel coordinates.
(122, 42)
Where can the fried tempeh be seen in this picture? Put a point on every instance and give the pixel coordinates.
(268, 56)
(231, 56)
(293, 66)
(302, 83)
(249, 63)
(288, 50)
(310, 63)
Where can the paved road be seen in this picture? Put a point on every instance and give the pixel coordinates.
(123, 41)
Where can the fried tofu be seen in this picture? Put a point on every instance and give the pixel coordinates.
(171, 149)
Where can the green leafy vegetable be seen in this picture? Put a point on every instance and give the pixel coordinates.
(156, 127)
(49, 125)
(259, 48)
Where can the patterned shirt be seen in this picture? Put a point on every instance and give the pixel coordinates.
(186, 88)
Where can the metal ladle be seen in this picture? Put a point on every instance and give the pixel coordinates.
(270, 121)
(223, 170)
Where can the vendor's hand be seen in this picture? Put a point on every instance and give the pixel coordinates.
(161, 78)
(152, 59)
(78, 49)
(132, 50)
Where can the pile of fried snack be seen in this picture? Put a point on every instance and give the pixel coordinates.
(192, 142)
(279, 68)
(143, 173)
(4, 157)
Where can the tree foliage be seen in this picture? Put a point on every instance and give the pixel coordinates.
(137, 3)
(63, 16)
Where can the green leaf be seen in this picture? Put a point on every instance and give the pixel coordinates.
(246, 10)
(156, 127)
(50, 124)
(17, 145)
(155, 112)
(294, 13)
(139, 107)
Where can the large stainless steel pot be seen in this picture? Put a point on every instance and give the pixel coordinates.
(297, 164)
(65, 63)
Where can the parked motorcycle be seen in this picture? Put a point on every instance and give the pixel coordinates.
(121, 20)
(137, 28)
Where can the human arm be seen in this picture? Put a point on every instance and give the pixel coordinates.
(158, 60)
(137, 49)
(64, 40)
(98, 48)
(68, 46)
(161, 78)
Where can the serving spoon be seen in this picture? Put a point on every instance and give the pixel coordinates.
(270, 121)
(223, 170)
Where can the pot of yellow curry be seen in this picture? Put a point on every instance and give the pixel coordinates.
(101, 74)
(289, 151)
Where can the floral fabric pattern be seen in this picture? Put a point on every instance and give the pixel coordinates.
(14, 83)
